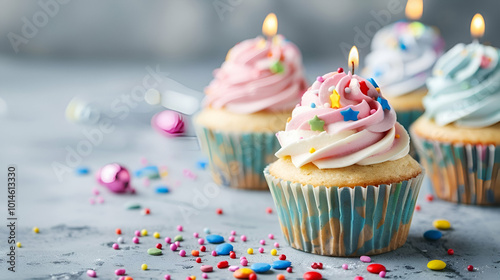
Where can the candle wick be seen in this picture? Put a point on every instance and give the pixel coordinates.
(352, 62)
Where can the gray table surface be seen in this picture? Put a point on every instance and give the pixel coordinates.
(76, 236)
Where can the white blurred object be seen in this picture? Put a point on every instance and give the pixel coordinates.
(80, 111)
(3, 107)
(175, 96)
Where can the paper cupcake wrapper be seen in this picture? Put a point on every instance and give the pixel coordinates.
(237, 159)
(406, 118)
(344, 221)
(461, 173)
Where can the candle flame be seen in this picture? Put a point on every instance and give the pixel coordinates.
(353, 58)
(414, 9)
(477, 26)
(270, 25)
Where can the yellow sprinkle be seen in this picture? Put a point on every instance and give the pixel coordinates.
(156, 235)
(436, 265)
(164, 173)
(36, 230)
(441, 224)
(289, 119)
(274, 252)
(18, 244)
(312, 150)
(250, 251)
(335, 98)
(397, 136)
(378, 90)
(144, 232)
(144, 266)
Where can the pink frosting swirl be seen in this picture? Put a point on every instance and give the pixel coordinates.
(258, 75)
(360, 129)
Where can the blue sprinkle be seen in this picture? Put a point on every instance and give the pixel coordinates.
(215, 239)
(372, 81)
(313, 105)
(433, 235)
(151, 172)
(281, 264)
(202, 164)
(260, 267)
(402, 45)
(206, 230)
(162, 189)
(224, 249)
(82, 170)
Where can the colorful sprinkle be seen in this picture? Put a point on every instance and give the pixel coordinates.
(144, 232)
(116, 246)
(313, 105)
(432, 235)
(144, 266)
(451, 252)
(206, 230)
(289, 269)
(195, 253)
(182, 253)
(375, 268)
(436, 265)
(91, 273)
(274, 252)
(250, 251)
(470, 268)
(350, 114)
(173, 247)
(244, 262)
(316, 124)
(180, 228)
(222, 264)
(242, 273)
(198, 260)
(365, 259)
(215, 239)
(277, 67)
(441, 224)
(312, 275)
(363, 87)
(207, 268)
(201, 241)
(218, 211)
(340, 70)
(384, 103)
(214, 253)
(320, 79)
(135, 240)
(231, 238)
(372, 81)
(168, 240)
(195, 235)
(233, 268)
(271, 236)
(224, 249)
(159, 246)
(260, 267)
(178, 238)
(312, 150)
(120, 271)
(281, 264)
(345, 267)
(162, 189)
(154, 251)
(120, 240)
(282, 257)
(261, 250)
(269, 210)
(276, 244)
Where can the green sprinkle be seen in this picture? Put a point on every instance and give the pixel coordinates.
(154, 251)
(178, 238)
(132, 206)
(277, 67)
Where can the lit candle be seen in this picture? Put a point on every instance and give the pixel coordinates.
(414, 9)
(270, 26)
(353, 58)
(477, 27)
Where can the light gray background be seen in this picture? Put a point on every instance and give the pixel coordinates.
(99, 50)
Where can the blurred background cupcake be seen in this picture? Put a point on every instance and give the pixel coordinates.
(401, 59)
(344, 184)
(249, 100)
(459, 135)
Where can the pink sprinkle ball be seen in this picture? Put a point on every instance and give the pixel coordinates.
(120, 271)
(201, 241)
(262, 242)
(243, 238)
(182, 253)
(271, 236)
(168, 240)
(345, 267)
(196, 235)
(231, 238)
(91, 273)
(320, 79)
(116, 246)
(214, 253)
(178, 243)
(276, 244)
(381, 274)
(233, 232)
(204, 275)
(173, 247)
(91, 200)
(135, 240)
(242, 257)
(167, 276)
(179, 228)
(244, 262)
(95, 191)
(365, 259)
(137, 233)
(372, 111)
(261, 250)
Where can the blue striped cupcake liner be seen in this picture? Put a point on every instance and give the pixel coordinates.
(461, 173)
(237, 159)
(344, 221)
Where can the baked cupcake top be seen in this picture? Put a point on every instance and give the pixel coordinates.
(258, 75)
(402, 56)
(343, 120)
(465, 87)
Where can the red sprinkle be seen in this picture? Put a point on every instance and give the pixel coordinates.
(158, 246)
(118, 231)
(203, 248)
(417, 208)
(282, 257)
(363, 87)
(222, 264)
(269, 210)
(147, 211)
(320, 265)
(312, 275)
(451, 252)
(232, 255)
(470, 268)
(340, 70)
(429, 197)
(358, 278)
(314, 266)
(218, 211)
(252, 276)
(198, 260)
(375, 268)
(289, 269)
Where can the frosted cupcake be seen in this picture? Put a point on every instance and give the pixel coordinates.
(458, 138)
(249, 100)
(401, 60)
(344, 184)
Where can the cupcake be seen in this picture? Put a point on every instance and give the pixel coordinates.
(458, 137)
(401, 59)
(249, 100)
(344, 184)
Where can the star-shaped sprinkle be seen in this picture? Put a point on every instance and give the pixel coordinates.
(335, 99)
(277, 67)
(350, 115)
(317, 124)
(384, 103)
(363, 87)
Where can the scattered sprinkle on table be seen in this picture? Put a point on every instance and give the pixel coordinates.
(242, 273)
(470, 268)
(375, 268)
(365, 259)
(260, 267)
(154, 251)
(91, 273)
(432, 235)
(281, 264)
(441, 224)
(144, 266)
(207, 268)
(178, 238)
(224, 249)
(222, 264)
(312, 275)
(214, 239)
(36, 230)
(436, 265)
